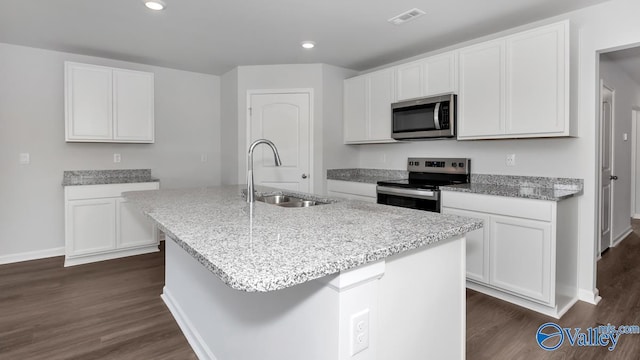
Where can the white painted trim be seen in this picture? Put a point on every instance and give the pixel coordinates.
(190, 332)
(635, 117)
(31, 255)
(591, 297)
(348, 279)
(308, 91)
(621, 237)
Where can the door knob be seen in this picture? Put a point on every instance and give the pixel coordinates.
(304, 176)
(613, 177)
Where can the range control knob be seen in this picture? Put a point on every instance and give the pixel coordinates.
(454, 164)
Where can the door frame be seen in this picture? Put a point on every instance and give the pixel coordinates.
(308, 91)
(599, 166)
(635, 118)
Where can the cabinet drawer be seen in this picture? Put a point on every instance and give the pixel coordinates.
(106, 191)
(516, 207)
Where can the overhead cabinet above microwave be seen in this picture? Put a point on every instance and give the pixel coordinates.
(104, 104)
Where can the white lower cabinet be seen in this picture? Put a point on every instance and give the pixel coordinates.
(352, 190)
(526, 253)
(100, 224)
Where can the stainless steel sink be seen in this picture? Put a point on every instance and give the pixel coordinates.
(288, 201)
(274, 199)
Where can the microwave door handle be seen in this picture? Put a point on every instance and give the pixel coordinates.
(436, 119)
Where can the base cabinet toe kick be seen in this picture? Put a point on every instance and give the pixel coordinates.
(525, 254)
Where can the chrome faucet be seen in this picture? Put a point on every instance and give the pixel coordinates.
(250, 186)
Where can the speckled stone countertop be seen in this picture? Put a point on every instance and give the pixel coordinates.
(371, 176)
(266, 247)
(102, 177)
(530, 187)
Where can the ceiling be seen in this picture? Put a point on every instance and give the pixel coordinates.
(214, 36)
(628, 60)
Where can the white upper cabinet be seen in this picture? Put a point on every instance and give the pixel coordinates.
(429, 76)
(367, 108)
(105, 104)
(517, 86)
(538, 85)
(482, 83)
(410, 81)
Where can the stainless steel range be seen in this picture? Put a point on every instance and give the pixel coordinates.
(421, 190)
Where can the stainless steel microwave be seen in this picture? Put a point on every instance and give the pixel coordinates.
(423, 118)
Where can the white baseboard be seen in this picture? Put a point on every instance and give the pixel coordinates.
(635, 216)
(193, 337)
(31, 255)
(591, 297)
(621, 237)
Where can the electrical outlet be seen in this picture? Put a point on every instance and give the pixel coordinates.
(25, 159)
(359, 331)
(511, 160)
(117, 158)
(203, 157)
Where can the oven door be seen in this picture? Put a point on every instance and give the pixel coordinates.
(428, 200)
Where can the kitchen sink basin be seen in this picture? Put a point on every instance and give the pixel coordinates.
(288, 201)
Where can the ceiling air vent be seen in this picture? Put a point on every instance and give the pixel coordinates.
(406, 16)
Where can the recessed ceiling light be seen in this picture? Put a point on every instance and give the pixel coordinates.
(308, 44)
(155, 4)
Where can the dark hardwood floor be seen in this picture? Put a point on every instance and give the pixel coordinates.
(500, 330)
(106, 310)
(113, 310)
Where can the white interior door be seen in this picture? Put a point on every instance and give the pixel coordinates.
(283, 118)
(606, 163)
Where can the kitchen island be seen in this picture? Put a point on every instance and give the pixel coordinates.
(344, 280)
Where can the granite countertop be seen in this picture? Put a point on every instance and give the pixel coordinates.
(266, 247)
(370, 176)
(102, 177)
(529, 187)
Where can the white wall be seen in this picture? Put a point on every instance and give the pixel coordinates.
(32, 120)
(626, 97)
(299, 76)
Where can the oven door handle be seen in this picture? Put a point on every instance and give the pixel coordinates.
(419, 194)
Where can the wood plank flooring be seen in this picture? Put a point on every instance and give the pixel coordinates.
(500, 330)
(105, 310)
(113, 310)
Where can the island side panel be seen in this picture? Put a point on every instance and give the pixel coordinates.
(423, 303)
(225, 324)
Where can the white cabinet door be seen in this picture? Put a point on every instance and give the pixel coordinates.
(441, 74)
(381, 95)
(537, 86)
(410, 80)
(521, 256)
(104, 104)
(88, 95)
(355, 109)
(90, 226)
(477, 245)
(134, 229)
(367, 107)
(133, 106)
(482, 82)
